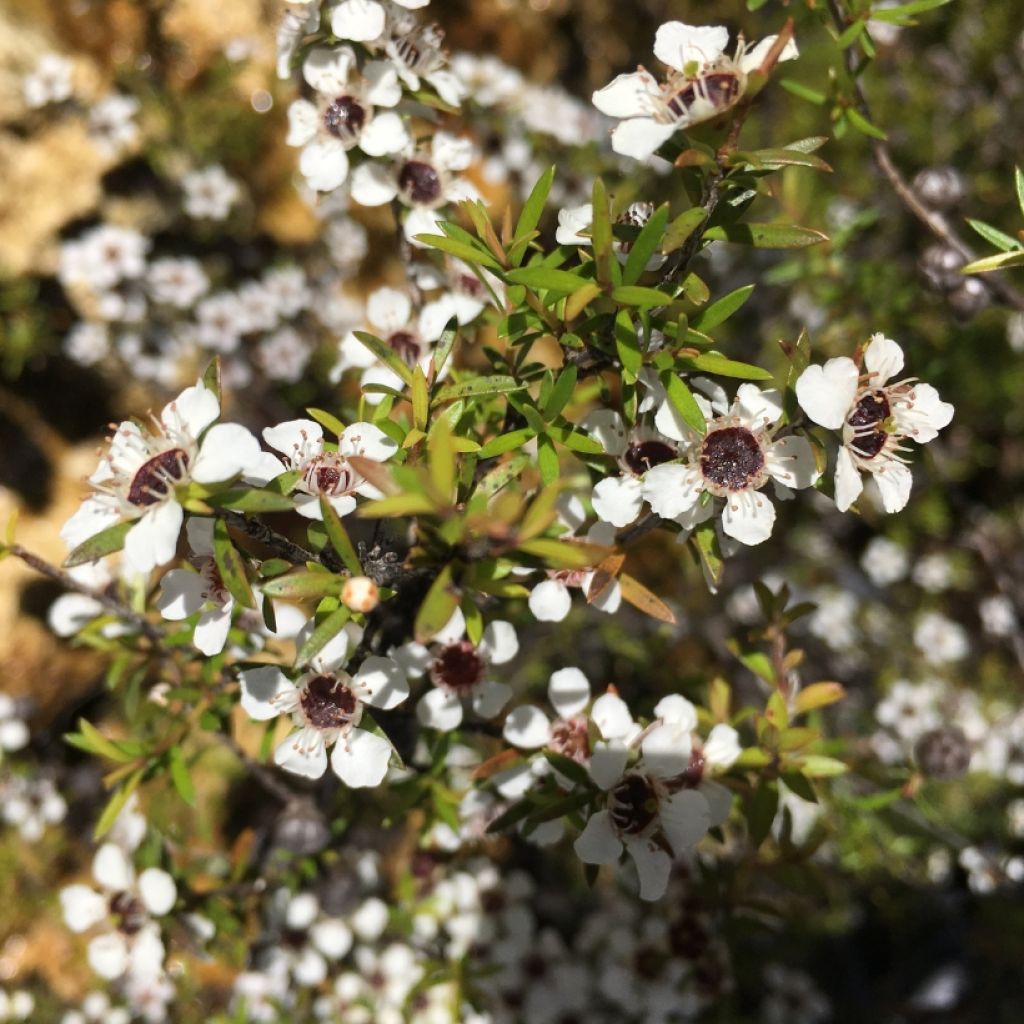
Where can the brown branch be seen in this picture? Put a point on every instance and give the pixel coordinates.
(281, 546)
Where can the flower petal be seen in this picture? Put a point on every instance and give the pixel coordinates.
(607, 763)
(883, 358)
(685, 818)
(324, 163)
(153, 539)
(490, 698)
(672, 489)
(499, 643)
(790, 461)
(368, 441)
(192, 411)
(383, 683)
(610, 714)
(82, 907)
(527, 727)
(677, 45)
(748, 517)
(722, 748)
(598, 843)
(181, 594)
(158, 891)
(618, 499)
(227, 449)
(359, 20)
(641, 137)
(384, 134)
(361, 759)
(211, 632)
(826, 392)
(112, 869)
(894, 481)
(848, 482)
(627, 95)
(302, 752)
(439, 709)
(550, 601)
(653, 866)
(568, 691)
(260, 687)
(372, 185)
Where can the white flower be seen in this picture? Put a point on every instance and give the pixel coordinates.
(910, 709)
(324, 472)
(343, 116)
(998, 616)
(298, 19)
(87, 343)
(416, 52)
(459, 670)
(939, 639)
(30, 804)
(576, 219)
(50, 82)
(210, 193)
(14, 733)
(703, 82)
(179, 282)
(736, 456)
(884, 561)
(128, 903)
(423, 181)
(283, 355)
(103, 257)
(184, 593)
(137, 477)
(327, 705)
(112, 124)
(875, 417)
(221, 320)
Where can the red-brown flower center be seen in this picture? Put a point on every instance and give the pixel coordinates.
(866, 420)
(719, 88)
(731, 458)
(406, 346)
(458, 667)
(344, 118)
(419, 182)
(327, 703)
(155, 478)
(642, 455)
(633, 805)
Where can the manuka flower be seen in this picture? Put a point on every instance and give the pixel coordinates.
(703, 81)
(733, 460)
(326, 705)
(875, 417)
(325, 473)
(137, 478)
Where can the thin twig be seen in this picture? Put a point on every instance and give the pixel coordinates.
(149, 629)
(931, 219)
(284, 548)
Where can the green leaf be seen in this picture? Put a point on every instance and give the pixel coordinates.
(572, 770)
(326, 630)
(496, 384)
(420, 399)
(818, 695)
(103, 543)
(533, 208)
(999, 261)
(503, 822)
(463, 250)
(386, 354)
(645, 245)
(116, 803)
(709, 362)
(681, 228)
(720, 310)
(601, 234)
(683, 402)
(339, 538)
(410, 503)
(547, 459)
(562, 554)
(445, 344)
(504, 474)
(862, 124)
(902, 12)
(303, 586)
(760, 811)
(766, 236)
(231, 566)
(92, 741)
(705, 542)
(327, 420)
(211, 379)
(549, 279)
(627, 344)
(438, 606)
(561, 393)
(574, 440)
(774, 159)
(541, 513)
(252, 499)
(635, 295)
(560, 808)
(441, 453)
(816, 766)
(180, 775)
(1000, 240)
(819, 99)
(579, 300)
(507, 442)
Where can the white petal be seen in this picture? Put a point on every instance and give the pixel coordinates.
(894, 481)
(303, 119)
(360, 20)
(499, 643)
(448, 86)
(826, 392)
(748, 517)
(412, 658)
(653, 866)
(295, 436)
(93, 517)
(568, 691)
(571, 221)
(420, 221)
(678, 710)
(756, 407)
(296, 754)
(370, 919)
(453, 630)
(927, 415)
(382, 87)
(754, 58)
(883, 358)
(259, 688)
(192, 411)
(722, 747)
(607, 763)
(677, 45)
(666, 750)
(211, 632)
(383, 682)
(384, 134)
(199, 531)
(641, 137)
(153, 539)
(611, 716)
(372, 185)
(790, 461)
(228, 449)
(157, 890)
(454, 152)
(439, 709)
(618, 499)
(490, 698)
(627, 95)
(181, 594)
(324, 163)
(368, 441)
(848, 482)
(605, 426)
(112, 869)
(550, 601)
(108, 955)
(326, 68)
(302, 911)
(527, 727)
(82, 907)
(389, 309)
(361, 759)
(671, 489)
(332, 937)
(685, 818)
(719, 800)
(598, 843)
(515, 782)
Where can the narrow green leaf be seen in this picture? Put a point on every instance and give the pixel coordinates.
(819, 99)
(709, 554)
(709, 362)
(1001, 241)
(326, 630)
(574, 440)
(683, 402)
(444, 346)
(766, 236)
(463, 250)
(251, 499)
(1000, 260)
(105, 542)
(441, 454)
(211, 379)
(760, 811)
(116, 803)
(386, 354)
(816, 766)
(777, 158)
(579, 300)
(562, 554)
(327, 420)
(601, 234)
(1018, 181)
(902, 12)
(438, 606)
(504, 821)
(533, 208)
(627, 344)
(647, 243)
(572, 770)
(548, 279)
(635, 295)
(504, 474)
(507, 442)
(420, 399)
(681, 228)
(180, 775)
(541, 513)
(496, 384)
(561, 393)
(303, 585)
(91, 740)
(410, 503)
(231, 566)
(339, 538)
(720, 310)
(547, 459)
(862, 124)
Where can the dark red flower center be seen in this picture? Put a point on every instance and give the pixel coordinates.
(866, 419)
(569, 738)
(327, 703)
(633, 805)
(128, 911)
(639, 457)
(419, 182)
(731, 458)
(458, 667)
(155, 478)
(330, 474)
(344, 118)
(719, 88)
(407, 347)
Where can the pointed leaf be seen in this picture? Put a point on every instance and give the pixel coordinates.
(386, 354)
(339, 538)
(438, 606)
(646, 244)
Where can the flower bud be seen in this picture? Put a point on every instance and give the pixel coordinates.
(301, 829)
(943, 753)
(360, 594)
(940, 187)
(940, 266)
(969, 298)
